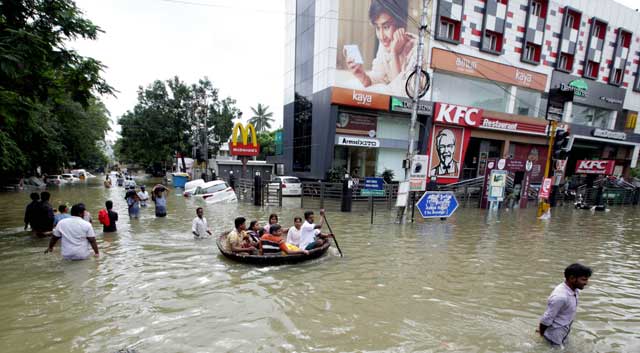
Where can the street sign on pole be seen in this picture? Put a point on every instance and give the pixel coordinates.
(437, 204)
(419, 167)
(373, 187)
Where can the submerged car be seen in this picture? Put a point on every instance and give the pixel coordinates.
(70, 178)
(214, 191)
(55, 180)
(290, 185)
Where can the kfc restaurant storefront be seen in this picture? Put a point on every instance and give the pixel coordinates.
(462, 140)
(507, 124)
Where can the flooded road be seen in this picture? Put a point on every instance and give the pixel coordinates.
(472, 284)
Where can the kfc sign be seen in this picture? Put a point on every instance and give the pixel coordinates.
(457, 115)
(604, 167)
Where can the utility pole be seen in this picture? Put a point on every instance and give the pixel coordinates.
(553, 125)
(206, 141)
(416, 92)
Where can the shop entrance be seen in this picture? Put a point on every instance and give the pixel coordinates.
(478, 152)
(359, 162)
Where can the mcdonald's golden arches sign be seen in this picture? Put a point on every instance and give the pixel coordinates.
(243, 147)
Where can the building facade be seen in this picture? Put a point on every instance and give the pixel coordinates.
(492, 65)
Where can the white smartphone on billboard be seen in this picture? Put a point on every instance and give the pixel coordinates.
(352, 51)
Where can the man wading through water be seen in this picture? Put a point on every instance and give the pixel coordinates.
(562, 305)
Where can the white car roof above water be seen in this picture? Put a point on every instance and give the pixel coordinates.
(211, 183)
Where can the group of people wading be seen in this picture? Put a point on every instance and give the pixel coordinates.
(300, 238)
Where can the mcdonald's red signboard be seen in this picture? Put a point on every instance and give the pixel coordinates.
(243, 147)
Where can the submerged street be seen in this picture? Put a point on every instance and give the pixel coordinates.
(474, 283)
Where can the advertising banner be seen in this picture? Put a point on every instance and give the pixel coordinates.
(447, 150)
(602, 167)
(377, 48)
(497, 184)
(419, 168)
(243, 147)
(355, 124)
(545, 188)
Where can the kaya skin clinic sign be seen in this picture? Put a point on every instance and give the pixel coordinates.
(487, 70)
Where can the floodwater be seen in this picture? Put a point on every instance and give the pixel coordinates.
(471, 284)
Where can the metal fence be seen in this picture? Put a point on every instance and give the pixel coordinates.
(271, 192)
(329, 195)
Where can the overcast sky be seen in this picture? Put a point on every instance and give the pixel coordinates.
(238, 44)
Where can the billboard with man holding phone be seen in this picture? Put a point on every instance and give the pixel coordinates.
(378, 43)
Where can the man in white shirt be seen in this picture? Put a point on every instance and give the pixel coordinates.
(555, 323)
(309, 238)
(143, 195)
(294, 233)
(199, 226)
(77, 234)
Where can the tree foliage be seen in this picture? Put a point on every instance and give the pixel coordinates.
(261, 118)
(267, 142)
(170, 117)
(49, 113)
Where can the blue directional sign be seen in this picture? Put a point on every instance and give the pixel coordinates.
(373, 187)
(437, 204)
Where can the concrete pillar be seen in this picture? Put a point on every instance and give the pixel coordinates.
(511, 105)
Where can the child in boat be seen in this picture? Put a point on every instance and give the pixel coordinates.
(273, 219)
(255, 232)
(273, 243)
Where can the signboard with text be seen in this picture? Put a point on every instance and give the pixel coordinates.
(419, 168)
(373, 187)
(601, 167)
(545, 188)
(437, 204)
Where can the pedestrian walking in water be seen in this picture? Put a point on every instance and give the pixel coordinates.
(199, 226)
(43, 222)
(562, 305)
(62, 214)
(143, 195)
(30, 213)
(133, 202)
(159, 196)
(108, 218)
(76, 234)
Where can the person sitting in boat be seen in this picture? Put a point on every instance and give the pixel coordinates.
(310, 237)
(273, 219)
(255, 232)
(294, 234)
(273, 243)
(238, 241)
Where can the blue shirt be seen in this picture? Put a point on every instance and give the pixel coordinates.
(59, 217)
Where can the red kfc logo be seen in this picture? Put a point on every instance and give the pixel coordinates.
(457, 114)
(595, 167)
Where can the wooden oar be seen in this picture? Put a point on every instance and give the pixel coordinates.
(334, 236)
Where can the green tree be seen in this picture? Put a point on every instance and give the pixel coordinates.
(261, 118)
(169, 117)
(41, 80)
(267, 142)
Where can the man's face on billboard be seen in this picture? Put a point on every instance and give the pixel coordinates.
(446, 148)
(385, 27)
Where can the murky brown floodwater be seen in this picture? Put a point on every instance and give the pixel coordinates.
(468, 285)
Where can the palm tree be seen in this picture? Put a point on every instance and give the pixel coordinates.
(261, 119)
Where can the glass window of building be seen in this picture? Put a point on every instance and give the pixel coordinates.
(528, 102)
(590, 116)
(470, 92)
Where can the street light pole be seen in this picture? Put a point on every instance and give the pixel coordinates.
(416, 92)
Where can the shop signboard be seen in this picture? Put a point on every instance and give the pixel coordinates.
(243, 147)
(418, 176)
(437, 204)
(497, 184)
(357, 141)
(356, 124)
(373, 187)
(361, 62)
(488, 70)
(279, 144)
(601, 167)
(588, 92)
(405, 105)
(545, 188)
(359, 98)
(510, 166)
(513, 126)
(615, 135)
